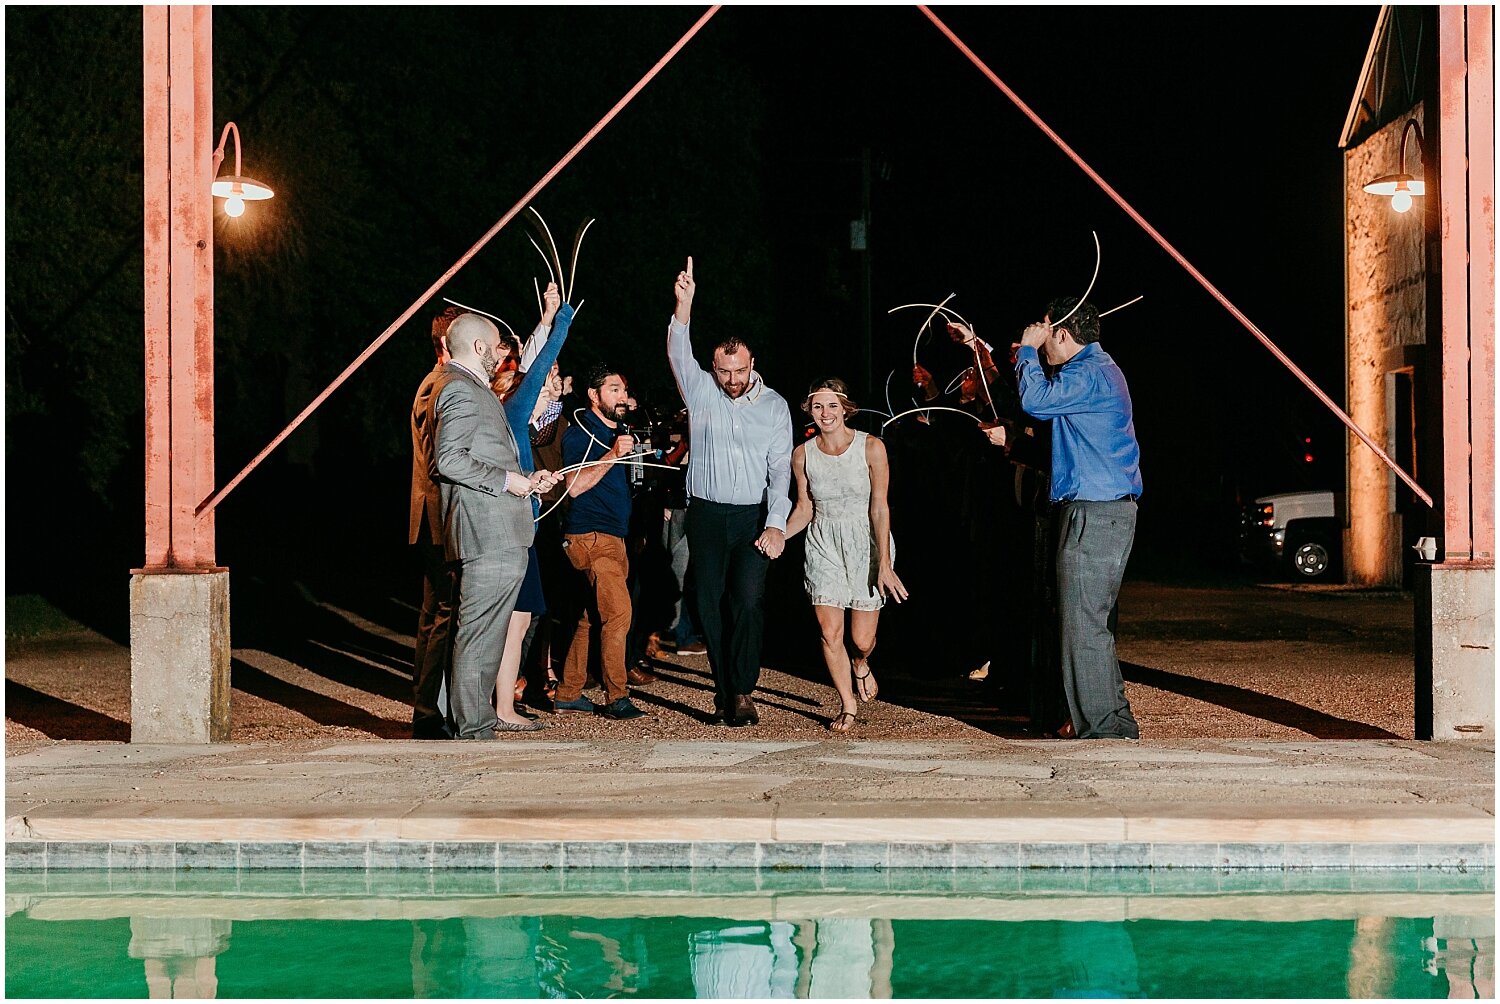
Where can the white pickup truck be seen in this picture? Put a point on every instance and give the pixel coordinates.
(1298, 532)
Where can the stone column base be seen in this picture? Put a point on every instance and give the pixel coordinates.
(1455, 635)
(179, 657)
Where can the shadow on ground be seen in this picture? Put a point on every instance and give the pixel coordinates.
(59, 719)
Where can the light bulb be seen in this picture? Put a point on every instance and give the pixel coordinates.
(235, 206)
(1401, 202)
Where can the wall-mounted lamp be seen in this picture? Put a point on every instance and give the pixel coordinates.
(234, 188)
(1400, 187)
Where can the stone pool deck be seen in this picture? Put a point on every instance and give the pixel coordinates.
(521, 802)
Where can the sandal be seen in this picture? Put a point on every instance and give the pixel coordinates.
(520, 688)
(866, 692)
(549, 689)
(834, 726)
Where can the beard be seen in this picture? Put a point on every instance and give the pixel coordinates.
(490, 360)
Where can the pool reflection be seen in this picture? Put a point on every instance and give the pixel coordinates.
(91, 941)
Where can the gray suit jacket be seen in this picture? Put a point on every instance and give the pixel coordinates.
(472, 449)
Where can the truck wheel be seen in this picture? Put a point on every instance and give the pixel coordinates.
(1310, 560)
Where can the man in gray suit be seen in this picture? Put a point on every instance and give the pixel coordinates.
(486, 515)
(429, 710)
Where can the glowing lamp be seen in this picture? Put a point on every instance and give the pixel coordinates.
(1401, 187)
(235, 189)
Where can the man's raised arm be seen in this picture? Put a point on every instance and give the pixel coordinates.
(693, 384)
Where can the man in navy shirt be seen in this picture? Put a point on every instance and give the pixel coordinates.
(1096, 478)
(594, 533)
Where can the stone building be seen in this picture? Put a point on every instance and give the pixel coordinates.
(1419, 183)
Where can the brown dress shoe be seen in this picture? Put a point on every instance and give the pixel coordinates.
(638, 677)
(744, 711)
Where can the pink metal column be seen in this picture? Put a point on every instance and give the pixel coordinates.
(179, 601)
(1480, 37)
(1455, 609)
(177, 63)
(1466, 164)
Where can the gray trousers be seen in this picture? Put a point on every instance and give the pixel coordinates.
(486, 592)
(1093, 545)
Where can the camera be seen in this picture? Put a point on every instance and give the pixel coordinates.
(643, 451)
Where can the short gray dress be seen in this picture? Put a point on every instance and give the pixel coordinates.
(842, 559)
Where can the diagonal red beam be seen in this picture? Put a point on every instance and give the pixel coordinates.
(213, 500)
(1166, 245)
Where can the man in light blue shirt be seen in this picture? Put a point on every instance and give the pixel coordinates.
(1096, 478)
(738, 481)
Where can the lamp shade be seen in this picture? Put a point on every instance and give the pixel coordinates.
(1394, 183)
(234, 186)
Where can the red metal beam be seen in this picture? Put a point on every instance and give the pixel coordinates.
(1177, 256)
(208, 504)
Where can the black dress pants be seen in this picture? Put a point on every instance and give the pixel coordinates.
(434, 649)
(729, 582)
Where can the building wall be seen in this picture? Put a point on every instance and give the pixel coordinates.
(1387, 331)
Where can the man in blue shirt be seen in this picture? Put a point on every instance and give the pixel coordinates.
(738, 481)
(1096, 478)
(594, 533)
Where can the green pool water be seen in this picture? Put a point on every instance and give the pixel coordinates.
(229, 935)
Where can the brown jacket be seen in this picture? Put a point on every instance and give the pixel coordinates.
(426, 523)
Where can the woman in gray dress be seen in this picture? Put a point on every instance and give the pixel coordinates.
(842, 475)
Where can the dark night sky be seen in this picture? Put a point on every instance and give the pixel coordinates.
(1218, 125)
(396, 136)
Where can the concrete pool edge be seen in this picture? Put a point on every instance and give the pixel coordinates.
(754, 803)
(646, 855)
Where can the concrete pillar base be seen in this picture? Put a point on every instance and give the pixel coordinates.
(1455, 634)
(179, 657)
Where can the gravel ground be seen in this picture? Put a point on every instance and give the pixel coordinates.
(1249, 662)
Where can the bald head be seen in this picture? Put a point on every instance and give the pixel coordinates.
(475, 342)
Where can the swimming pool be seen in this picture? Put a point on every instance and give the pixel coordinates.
(681, 933)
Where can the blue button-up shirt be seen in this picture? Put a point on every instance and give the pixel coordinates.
(1095, 456)
(741, 448)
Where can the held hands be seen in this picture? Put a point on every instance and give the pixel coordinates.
(889, 585)
(551, 300)
(521, 486)
(771, 542)
(544, 481)
(684, 289)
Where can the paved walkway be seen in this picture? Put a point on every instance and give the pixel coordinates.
(1248, 803)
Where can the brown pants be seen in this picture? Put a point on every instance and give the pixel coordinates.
(603, 561)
